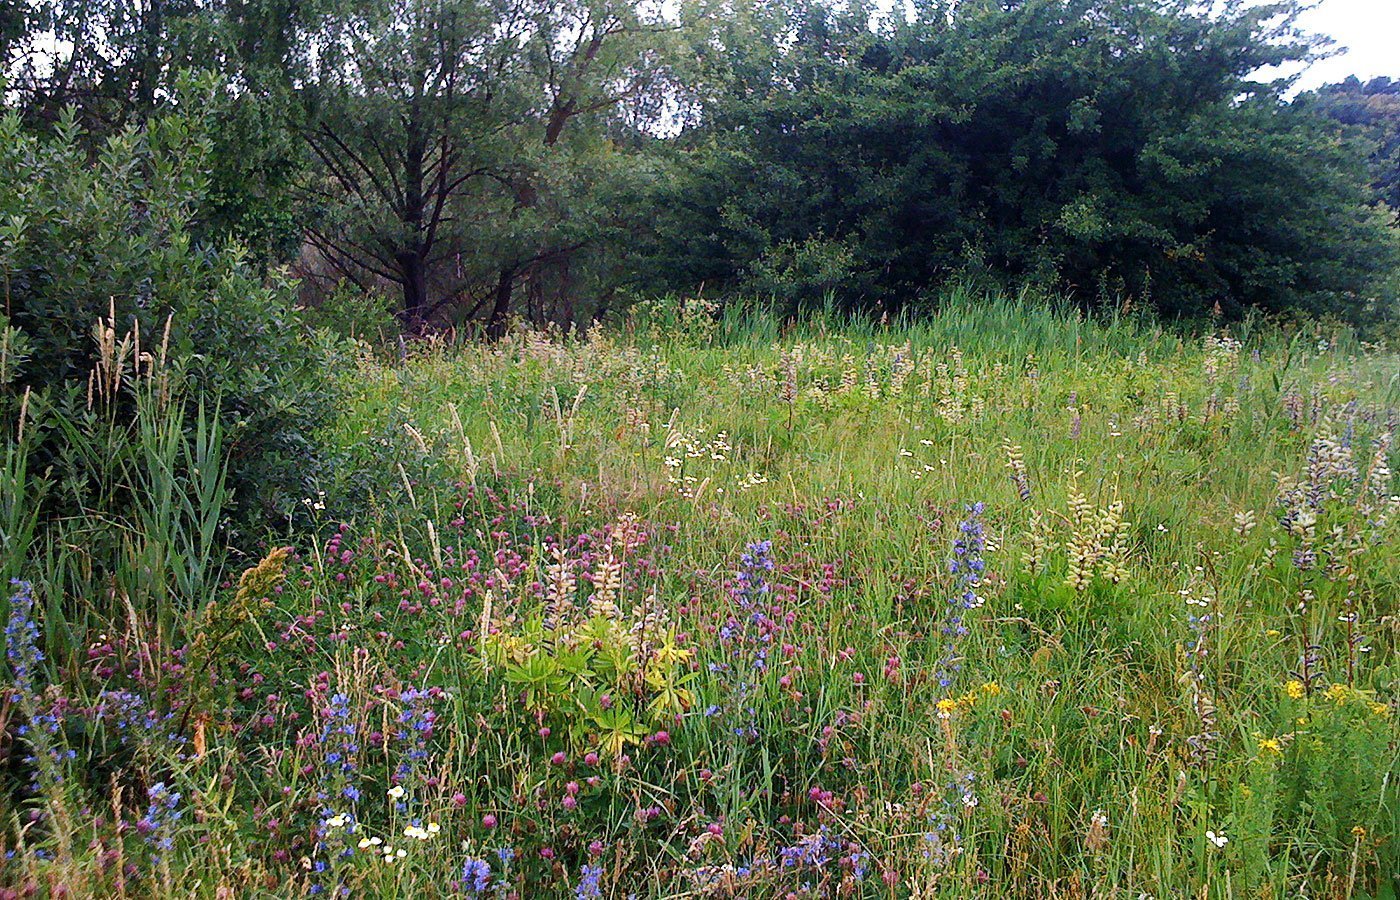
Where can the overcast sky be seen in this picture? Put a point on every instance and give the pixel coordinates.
(1369, 29)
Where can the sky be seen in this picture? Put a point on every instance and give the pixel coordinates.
(1369, 29)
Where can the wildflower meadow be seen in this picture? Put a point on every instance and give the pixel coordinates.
(1004, 602)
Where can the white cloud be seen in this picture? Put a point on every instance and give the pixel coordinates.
(1368, 29)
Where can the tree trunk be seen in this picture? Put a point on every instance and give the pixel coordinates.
(566, 292)
(415, 290)
(505, 285)
(413, 259)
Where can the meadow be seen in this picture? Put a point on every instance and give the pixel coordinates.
(1001, 603)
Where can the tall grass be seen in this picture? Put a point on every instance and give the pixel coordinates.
(134, 526)
(670, 613)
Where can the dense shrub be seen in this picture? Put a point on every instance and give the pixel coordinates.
(1369, 113)
(113, 235)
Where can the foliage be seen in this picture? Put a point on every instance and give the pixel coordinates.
(547, 160)
(460, 146)
(1371, 110)
(1120, 151)
(350, 313)
(113, 239)
(825, 568)
(116, 65)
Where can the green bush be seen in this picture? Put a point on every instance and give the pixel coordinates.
(1109, 152)
(357, 315)
(111, 235)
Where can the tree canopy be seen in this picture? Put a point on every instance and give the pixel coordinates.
(1110, 149)
(478, 160)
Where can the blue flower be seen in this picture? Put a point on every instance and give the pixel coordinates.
(22, 638)
(588, 887)
(747, 633)
(476, 875)
(967, 564)
(157, 828)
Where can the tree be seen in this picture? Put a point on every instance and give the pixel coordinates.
(1370, 112)
(109, 234)
(116, 64)
(441, 130)
(1109, 148)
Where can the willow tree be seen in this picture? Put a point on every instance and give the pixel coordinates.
(449, 142)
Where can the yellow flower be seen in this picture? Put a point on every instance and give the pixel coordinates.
(946, 708)
(1272, 632)
(1338, 694)
(1294, 689)
(1270, 745)
(1380, 710)
(991, 689)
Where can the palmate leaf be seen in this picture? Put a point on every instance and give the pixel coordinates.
(671, 696)
(617, 728)
(600, 631)
(613, 658)
(576, 663)
(616, 659)
(541, 678)
(670, 701)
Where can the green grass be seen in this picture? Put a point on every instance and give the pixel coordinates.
(1084, 750)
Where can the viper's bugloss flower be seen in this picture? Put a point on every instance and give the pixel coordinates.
(476, 875)
(589, 887)
(966, 565)
(22, 639)
(162, 814)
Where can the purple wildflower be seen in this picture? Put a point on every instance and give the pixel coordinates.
(476, 875)
(747, 634)
(22, 639)
(589, 887)
(158, 826)
(967, 565)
